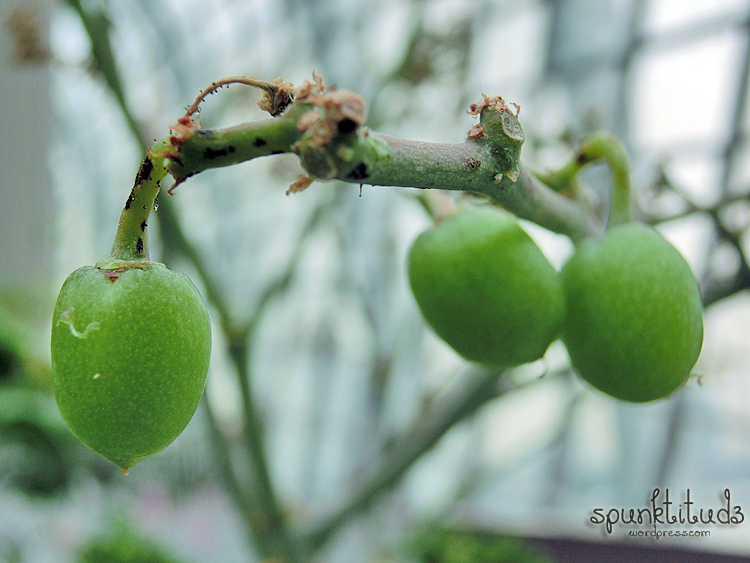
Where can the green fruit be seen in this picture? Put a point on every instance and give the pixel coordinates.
(486, 288)
(130, 353)
(634, 322)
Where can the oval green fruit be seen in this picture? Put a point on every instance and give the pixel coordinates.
(486, 288)
(130, 354)
(634, 322)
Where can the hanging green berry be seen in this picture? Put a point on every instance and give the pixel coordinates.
(634, 322)
(131, 342)
(486, 288)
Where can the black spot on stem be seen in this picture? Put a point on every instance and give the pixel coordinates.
(139, 246)
(210, 154)
(346, 125)
(259, 142)
(360, 172)
(144, 172)
(582, 159)
(143, 226)
(131, 197)
(277, 152)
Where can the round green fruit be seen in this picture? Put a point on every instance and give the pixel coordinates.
(130, 354)
(634, 322)
(486, 288)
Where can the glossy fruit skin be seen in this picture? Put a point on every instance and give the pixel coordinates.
(129, 358)
(486, 288)
(634, 322)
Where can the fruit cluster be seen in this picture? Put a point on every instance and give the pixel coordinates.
(627, 307)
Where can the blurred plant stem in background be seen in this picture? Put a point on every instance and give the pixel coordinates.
(255, 494)
(256, 498)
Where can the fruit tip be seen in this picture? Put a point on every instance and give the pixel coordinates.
(124, 470)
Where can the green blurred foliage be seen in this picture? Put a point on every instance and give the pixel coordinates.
(430, 54)
(24, 338)
(11, 349)
(123, 545)
(455, 546)
(35, 446)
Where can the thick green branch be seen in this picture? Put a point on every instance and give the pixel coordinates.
(325, 130)
(208, 148)
(472, 166)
